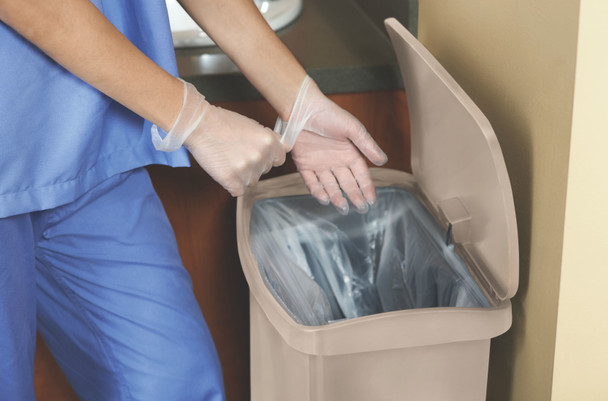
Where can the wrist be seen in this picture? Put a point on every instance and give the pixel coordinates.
(290, 128)
(291, 92)
(170, 104)
(193, 109)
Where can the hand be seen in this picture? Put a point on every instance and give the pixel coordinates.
(329, 150)
(330, 166)
(233, 149)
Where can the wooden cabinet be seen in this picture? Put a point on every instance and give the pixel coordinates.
(203, 218)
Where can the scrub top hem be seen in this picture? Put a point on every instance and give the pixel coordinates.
(61, 193)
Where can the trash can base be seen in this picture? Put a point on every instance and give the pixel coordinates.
(454, 371)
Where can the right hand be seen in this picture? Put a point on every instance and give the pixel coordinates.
(233, 149)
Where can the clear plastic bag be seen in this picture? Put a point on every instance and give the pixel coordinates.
(322, 266)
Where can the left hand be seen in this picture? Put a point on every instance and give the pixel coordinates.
(329, 151)
(330, 166)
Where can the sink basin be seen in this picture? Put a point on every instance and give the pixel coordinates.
(186, 33)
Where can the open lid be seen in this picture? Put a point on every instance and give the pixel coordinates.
(458, 163)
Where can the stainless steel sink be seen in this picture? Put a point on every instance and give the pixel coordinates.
(186, 33)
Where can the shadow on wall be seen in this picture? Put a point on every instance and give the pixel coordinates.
(518, 158)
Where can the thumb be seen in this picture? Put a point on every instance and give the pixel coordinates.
(370, 149)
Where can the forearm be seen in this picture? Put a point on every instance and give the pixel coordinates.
(239, 29)
(78, 36)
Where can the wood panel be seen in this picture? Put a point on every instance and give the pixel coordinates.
(203, 218)
(50, 383)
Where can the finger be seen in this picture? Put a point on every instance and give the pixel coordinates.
(366, 144)
(253, 179)
(364, 180)
(330, 184)
(278, 151)
(349, 185)
(265, 165)
(314, 186)
(267, 168)
(235, 188)
(254, 167)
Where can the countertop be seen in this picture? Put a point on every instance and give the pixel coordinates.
(335, 40)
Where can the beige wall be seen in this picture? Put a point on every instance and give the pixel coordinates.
(581, 353)
(517, 59)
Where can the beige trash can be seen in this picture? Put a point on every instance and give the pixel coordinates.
(413, 327)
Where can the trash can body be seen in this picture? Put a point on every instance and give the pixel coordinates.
(425, 354)
(454, 371)
(416, 352)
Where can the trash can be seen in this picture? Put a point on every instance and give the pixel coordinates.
(399, 303)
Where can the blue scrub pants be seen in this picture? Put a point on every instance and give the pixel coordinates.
(102, 280)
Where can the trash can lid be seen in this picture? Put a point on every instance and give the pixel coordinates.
(458, 163)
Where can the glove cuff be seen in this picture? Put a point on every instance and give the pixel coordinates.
(290, 130)
(192, 112)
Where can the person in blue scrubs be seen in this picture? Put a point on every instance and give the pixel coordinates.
(87, 255)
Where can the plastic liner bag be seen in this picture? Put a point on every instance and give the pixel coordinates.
(323, 267)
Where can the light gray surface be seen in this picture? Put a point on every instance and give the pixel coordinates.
(338, 43)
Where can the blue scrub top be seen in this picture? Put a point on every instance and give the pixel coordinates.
(60, 137)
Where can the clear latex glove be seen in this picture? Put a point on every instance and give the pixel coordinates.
(329, 150)
(233, 149)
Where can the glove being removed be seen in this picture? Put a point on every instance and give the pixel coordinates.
(328, 149)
